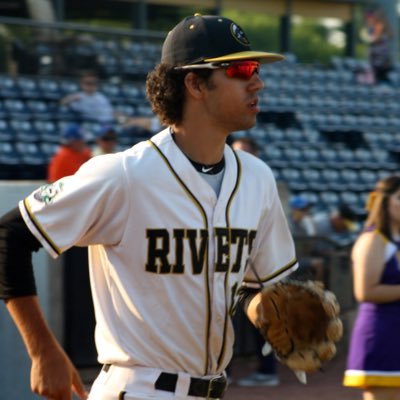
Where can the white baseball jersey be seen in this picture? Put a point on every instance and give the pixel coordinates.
(166, 255)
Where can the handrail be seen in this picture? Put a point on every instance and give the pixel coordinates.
(137, 33)
(336, 243)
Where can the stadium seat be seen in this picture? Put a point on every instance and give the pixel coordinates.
(312, 158)
(132, 93)
(68, 86)
(9, 161)
(313, 179)
(350, 198)
(351, 180)
(48, 149)
(8, 88)
(40, 109)
(33, 161)
(112, 91)
(293, 156)
(331, 177)
(48, 131)
(24, 131)
(28, 88)
(330, 157)
(273, 156)
(329, 199)
(50, 89)
(293, 178)
(369, 178)
(6, 132)
(16, 108)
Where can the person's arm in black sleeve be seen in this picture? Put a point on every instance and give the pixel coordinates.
(16, 246)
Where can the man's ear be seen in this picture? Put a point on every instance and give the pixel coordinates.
(194, 85)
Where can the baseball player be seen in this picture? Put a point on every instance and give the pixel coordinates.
(179, 228)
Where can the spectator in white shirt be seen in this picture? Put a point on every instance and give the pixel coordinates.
(89, 102)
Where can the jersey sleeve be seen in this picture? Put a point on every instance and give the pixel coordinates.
(273, 255)
(87, 208)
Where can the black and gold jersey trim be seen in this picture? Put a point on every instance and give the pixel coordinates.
(39, 228)
(206, 275)
(275, 274)
(227, 291)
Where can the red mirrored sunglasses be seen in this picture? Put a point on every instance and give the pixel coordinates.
(234, 69)
(242, 69)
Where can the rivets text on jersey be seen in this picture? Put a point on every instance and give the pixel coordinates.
(162, 247)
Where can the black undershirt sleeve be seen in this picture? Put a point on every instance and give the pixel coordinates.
(16, 246)
(246, 293)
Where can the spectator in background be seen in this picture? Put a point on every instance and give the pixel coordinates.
(89, 103)
(373, 363)
(301, 224)
(106, 141)
(72, 153)
(379, 35)
(266, 372)
(247, 144)
(339, 227)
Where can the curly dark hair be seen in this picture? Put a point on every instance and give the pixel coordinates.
(165, 90)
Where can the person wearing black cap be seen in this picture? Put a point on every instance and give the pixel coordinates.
(180, 228)
(106, 141)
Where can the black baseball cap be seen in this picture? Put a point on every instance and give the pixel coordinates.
(208, 38)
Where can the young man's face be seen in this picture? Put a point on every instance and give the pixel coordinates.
(233, 102)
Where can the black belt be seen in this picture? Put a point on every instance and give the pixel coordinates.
(212, 388)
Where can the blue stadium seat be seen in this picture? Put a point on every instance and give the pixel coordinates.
(293, 177)
(6, 133)
(16, 108)
(313, 179)
(24, 131)
(273, 156)
(312, 158)
(10, 162)
(112, 91)
(48, 131)
(33, 161)
(48, 149)
(329, 199)
(293, 156)
(8, 88)
(50, 89)
(68, 86)
(28, 88)
(40, 109)
(332, 179)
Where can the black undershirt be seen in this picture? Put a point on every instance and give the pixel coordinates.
(16, 246)
(209, 169)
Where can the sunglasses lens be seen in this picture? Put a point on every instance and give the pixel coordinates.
(243, 70)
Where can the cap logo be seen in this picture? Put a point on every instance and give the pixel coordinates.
(239, 35)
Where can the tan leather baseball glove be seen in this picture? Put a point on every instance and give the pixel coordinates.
(300, 320)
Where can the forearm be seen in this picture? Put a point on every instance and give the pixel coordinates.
(30, 321)
(379, 294)
(250, 307)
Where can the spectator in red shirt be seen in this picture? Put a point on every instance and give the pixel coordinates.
(72, 154)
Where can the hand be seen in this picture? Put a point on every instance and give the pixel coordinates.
(54, 377)
(70, 98)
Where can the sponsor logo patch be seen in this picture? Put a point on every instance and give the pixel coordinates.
(47, 193)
